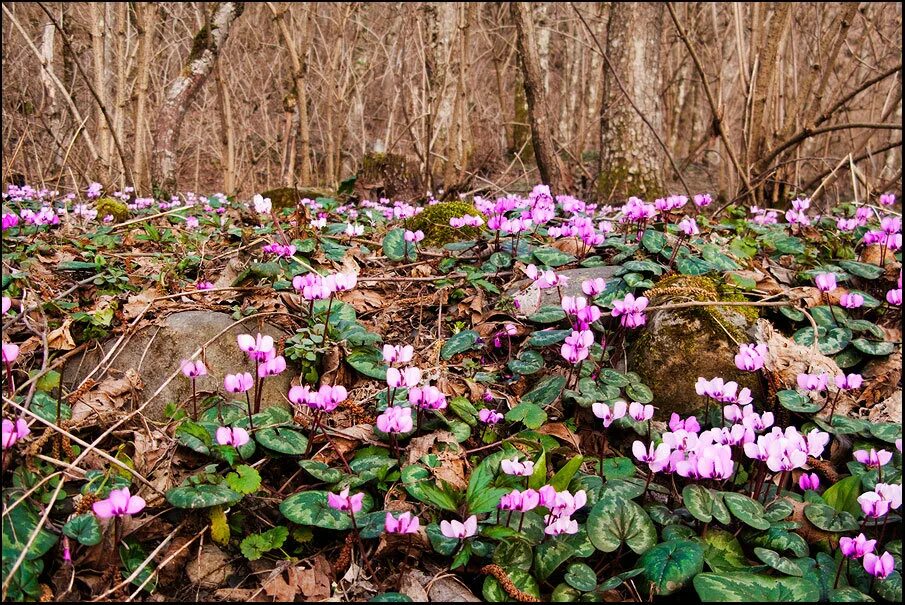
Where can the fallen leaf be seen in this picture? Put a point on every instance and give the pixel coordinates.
(315, 583)
(561, 431)
(136, 304)
(60, 339)
(105, 398)
(362, 300)
(410, 585)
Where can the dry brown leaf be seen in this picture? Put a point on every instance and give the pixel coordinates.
(452, 457)
(569, 245)
(277, 587)
(315, 583)
(561, 431)
(882, 378)
(240, 594)
(422, 270)
(107, 397)
(362, 300)
(137, 303)
(411, 586)
(61, 339)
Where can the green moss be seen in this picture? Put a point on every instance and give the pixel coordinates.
(109, 206)
(434, 222)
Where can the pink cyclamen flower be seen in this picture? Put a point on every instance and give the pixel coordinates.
(193, 369)
(118, 504)
(894, 297)
(458, 530)
(689, 227)
(873, 505)
(413, 237)
(655, 457)
(847, 383)
(593, 287)
(407, 523)
(7, 303)
(488, 416)
(640, 412)
(409, 377)
(561, 525)
(259, 348)
(873, 458)
(702, 199)
(826, 282)
(272, 367)
(887, 199)
(204, 285)
(603, 411)
(238, 383)
(690, 424)
(565, 504)
(813, 382)
(10, 352)
(520, 502)
(751, 358)
(345, 503)
(14, 431)
(879, 567)
(808, 481)
(395, 419)
(630, 310)
(234, 436)
(514, 467)
(890, 492)
(851, 301)
(427, 398)
(398, 353)
(855, 548)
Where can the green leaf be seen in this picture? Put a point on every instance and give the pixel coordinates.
(611, 376)
(670, 565)
(639, 392)
(890, 589)
(531, 415)
(255, 545)
(390, 597)
(538, 478)
(544, 338)
(828, 518)
(849, 594)
(544, 392)
(742, 248)
(480, 496)
(563, 476)
(419, 484)
(873, 347)
(548, 314)
(722, 262)
(796, 402)
(746, 510)
(581, 577)
(698, 501)
(777, 562)
(368, 361)
(246, 480)
(459, 343)
(493, 591)
(283, 440)
(861, 269)
(133, 557)
(779, 539)
(792, 313)
(829, 341)
(743, 586)
(513, 554)
(552, 257)
(548, 556)
(619, 468)
(84, 528)
(202, 496)
(886, 431)
(843, 495)
(862, 325)
(653, 240)
(722, 551)
(778, 510)
(463, 408)
(311, 508)
(690, 265)
(527, 363)
(614, 520)
(394, 245)
(321, 471)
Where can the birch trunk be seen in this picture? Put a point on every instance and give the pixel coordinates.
(145, 24)
(206, 48)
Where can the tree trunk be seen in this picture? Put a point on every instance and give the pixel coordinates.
(98, 27)
(631, 160)
(551, 170)
(145, 24)
(206, 48)
(227, 132)
(51, 107)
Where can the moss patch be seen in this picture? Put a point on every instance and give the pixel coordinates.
(434, 221)
(110, 206)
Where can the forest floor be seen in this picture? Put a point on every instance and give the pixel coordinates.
(527, 397)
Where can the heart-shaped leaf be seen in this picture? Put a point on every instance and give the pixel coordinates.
(670, 565)
(614, 520)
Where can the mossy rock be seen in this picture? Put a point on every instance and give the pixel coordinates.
(434, 222)
(388, 175)
(289, 197)
(110, 206)
(677, 346)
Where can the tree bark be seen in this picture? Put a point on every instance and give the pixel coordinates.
(145, 23)
(205, 49)
(98, 27)
(549, 166)
(631, 159)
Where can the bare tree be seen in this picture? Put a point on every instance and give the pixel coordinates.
(208, 43)
(631, 159)
(549, 166)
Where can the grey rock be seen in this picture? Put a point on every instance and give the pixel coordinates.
(531, 298)
(156, 352)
